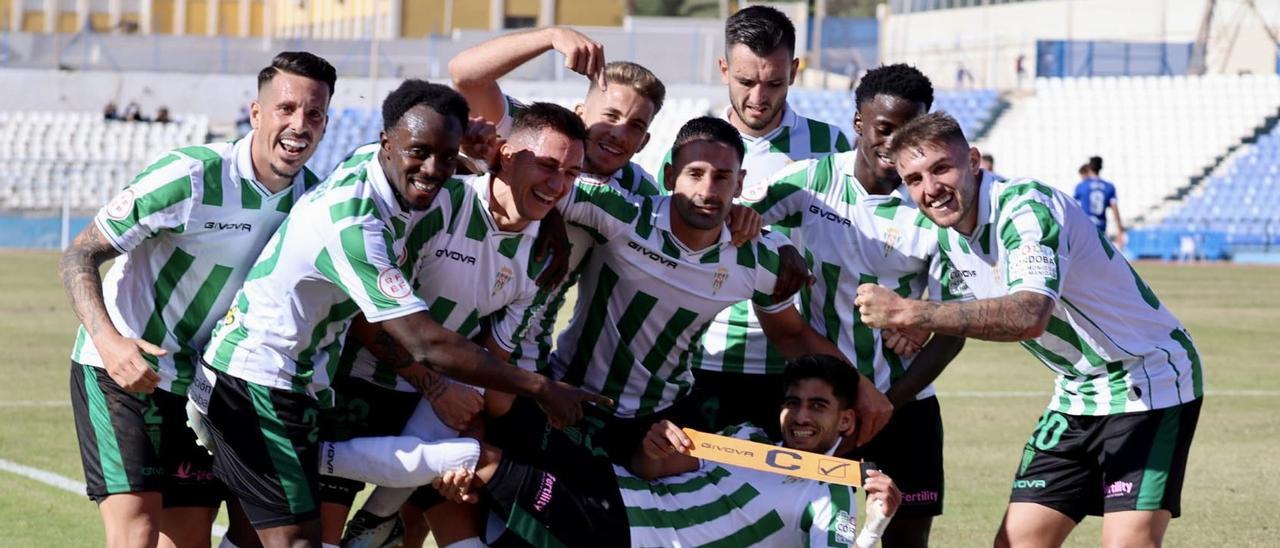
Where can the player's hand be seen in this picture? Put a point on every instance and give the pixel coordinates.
(793, 273)
(455, 485)
(581, 54)
(480, 143)
(665, 439)
(905, 341)
(881, 487)
(744, 224)
(873, 411)
(881, 308)
(457, 404)
(552, 244)
(563, 403)
(1120, 240)
(123, 360)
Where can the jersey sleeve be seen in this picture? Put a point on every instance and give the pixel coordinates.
(1031, 235)
(511, 107)
(159, 198)
(766, 257)
(830, 518)
(785, 193)
(599, 208)
(362, 263)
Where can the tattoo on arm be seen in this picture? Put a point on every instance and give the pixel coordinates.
(388, 350)
(1006, 318)
(78, 269)
(430, 383)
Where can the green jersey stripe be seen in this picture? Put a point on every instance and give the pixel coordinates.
(530, 529)
(693, 515)
(750, 535)
(158, 165)
(249, 197)
(1155, 475)
(735, 352)
(339, 312)
(355, 207)
(781, 143)
(1023, 188)
(633, 318)
(212, 161)
(222, 356)
(166, 280)
(265, 266)
(477, 228)
(658, 354)
(109, 457)
(819, 137)
(1197, 376)
(353, 241)
(200, 308)
(889, 208)
(691, 485)
(594, 324)
(840, 502)
(608, 200)
(508, 247)
(284, 460)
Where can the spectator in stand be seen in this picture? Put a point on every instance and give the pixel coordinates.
(989, 165)
(133, 113)
(109, 112)
(162, 115)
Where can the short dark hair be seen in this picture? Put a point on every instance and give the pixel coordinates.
(1086, 169)
(936, 127)
(898, 80)
(708, 128)
(540, 116)
(411, 93)
(830, 369)
(762, 29)
(636, 77)
(989, 158)
(301, 63)
(1095, 162)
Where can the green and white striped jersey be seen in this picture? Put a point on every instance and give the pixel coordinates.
(734, 342)
(644, 298)
(533, 345)
(725, 505)
(852, 237)
(468, 270)
(188, 228)
(344, 249)
(1114, 347)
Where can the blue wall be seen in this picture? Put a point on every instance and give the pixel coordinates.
(26, 232)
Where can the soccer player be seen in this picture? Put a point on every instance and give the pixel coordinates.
(737, 367)
(1096, 196)
(662, 269)
(475, 265)
(343, 250)
(555, 492)
(1115, 436)
(859, 226)
(184, 234)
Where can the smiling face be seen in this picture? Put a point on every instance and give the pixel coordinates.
(538, 167)
(943, 179)
(617, 121)
(289, 120)
(419, 154)
(875, 122)
(704, 178)
(757, 86)
(812, 417)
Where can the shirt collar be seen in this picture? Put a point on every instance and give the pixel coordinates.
(243, 151)
(986, 210)
(662, 212)
(382, 187)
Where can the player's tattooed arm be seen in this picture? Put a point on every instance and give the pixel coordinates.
(384, 347)
(121, 356)
(1018, 317)
(82, 280)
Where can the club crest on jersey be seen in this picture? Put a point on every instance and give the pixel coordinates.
(846, 527)
(392, 283)
(120, 207)
(722, 274)
(891, 238)
(756, 191)
(503, 277)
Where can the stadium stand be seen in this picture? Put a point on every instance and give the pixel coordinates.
(1156, 133)
(351, 127)
(974, 109)
(41, 153)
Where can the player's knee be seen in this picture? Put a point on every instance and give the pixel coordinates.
(415, 526)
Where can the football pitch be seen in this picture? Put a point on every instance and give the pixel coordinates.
(991, 398)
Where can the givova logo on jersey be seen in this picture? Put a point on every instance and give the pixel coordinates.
(504, 276)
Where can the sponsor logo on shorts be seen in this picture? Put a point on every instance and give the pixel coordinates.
(392, 283)
(920, 497)
(186, 471)
(1030, 484)
(544, 492)
(120, 207)
(1117, 489)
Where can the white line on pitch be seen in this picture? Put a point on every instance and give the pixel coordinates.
(1034, 394)
(35, 403)
(64, 483)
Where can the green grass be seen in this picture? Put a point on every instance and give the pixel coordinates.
(1229, 498)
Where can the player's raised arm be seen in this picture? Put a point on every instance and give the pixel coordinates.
(476, 70)
(663, 452)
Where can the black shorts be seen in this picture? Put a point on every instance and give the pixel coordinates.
(909, 450)
(361, 409)
(267, 449)
(570, 498)
(1083, 465)
(728, 399)
(132, 443)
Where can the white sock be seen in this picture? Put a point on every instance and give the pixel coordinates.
(327, 545)
(397, 461)
(384, 502)
(226, 543)
(473, 542)
(425, 425)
